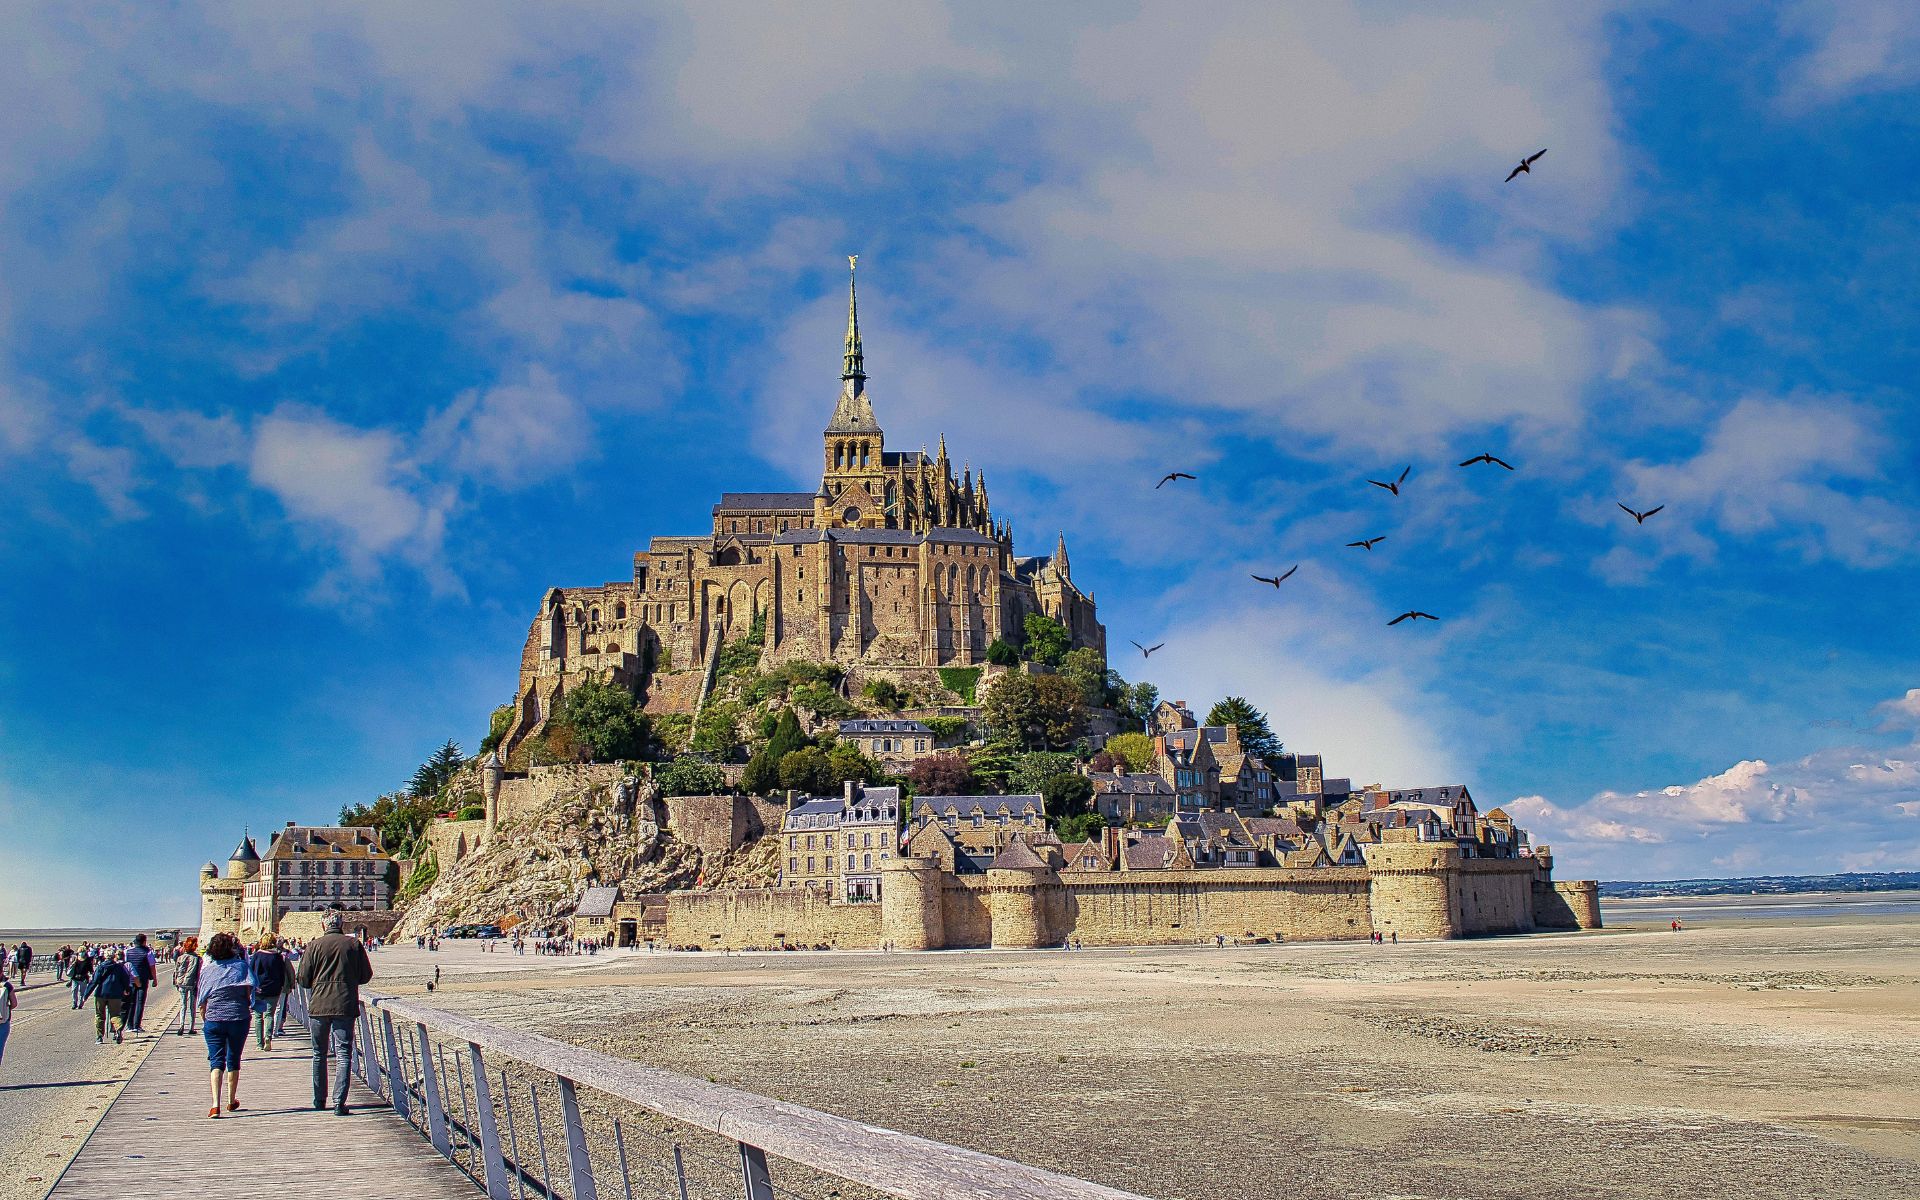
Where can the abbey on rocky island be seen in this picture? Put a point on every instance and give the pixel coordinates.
(893, 566)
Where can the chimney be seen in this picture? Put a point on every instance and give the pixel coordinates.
(793, 798)
(847, 791)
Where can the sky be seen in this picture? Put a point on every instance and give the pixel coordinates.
(331, 336)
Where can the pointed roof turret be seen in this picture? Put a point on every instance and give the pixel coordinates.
(854, 413)
(1060, 557)
(246, 852)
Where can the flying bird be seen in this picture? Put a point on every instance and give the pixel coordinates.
(1640, 518)
(1278, 580)
(1369, 543)
(1412, 616)
(1169, 477)
(1525, 167)
(1488, 458)
(1393, 487)
(1145, 651)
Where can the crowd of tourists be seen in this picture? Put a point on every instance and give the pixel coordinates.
(227, 992)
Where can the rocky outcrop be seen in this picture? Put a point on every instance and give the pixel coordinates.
(533, 871)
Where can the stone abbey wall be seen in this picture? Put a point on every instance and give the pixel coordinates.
(1412, 891)
(763, 917)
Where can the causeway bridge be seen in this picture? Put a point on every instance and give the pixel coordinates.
(446, 1107)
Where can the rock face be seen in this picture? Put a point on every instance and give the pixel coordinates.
(533, 870)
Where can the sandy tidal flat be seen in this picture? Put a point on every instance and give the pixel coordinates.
(1746, 1059)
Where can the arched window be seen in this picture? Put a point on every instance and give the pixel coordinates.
(620, 611)
(595, 614)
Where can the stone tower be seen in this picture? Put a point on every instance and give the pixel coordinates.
(1411, 888)
(854, 484)
(490, 772)
(912, 916)
(1019, 885)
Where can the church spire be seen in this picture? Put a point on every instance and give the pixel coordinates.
(854, 368)
(1060, 558)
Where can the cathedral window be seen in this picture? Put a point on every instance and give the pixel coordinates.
(620, 612)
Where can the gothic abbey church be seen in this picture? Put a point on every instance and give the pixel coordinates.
(892, 567)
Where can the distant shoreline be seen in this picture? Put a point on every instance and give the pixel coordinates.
(1848, 883)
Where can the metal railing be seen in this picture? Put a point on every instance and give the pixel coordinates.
(507, 1108)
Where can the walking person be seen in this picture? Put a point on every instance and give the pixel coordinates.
(332, 969)
(186, 981)
(110, 987)
(140, 967)
(8, 1002)
(226, 1009)
(22, 961)
(79, 971)
(270, 983)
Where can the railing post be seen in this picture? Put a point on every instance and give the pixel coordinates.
(753, 1173)
(495, 1166)
(430, 1094)
(396, 1071)
(369, 1061)
(579, 1166)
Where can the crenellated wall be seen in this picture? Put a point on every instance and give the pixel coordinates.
(765, 917)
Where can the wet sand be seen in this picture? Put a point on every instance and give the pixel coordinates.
(1753, 1058)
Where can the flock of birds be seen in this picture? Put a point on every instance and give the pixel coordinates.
(1393, 485)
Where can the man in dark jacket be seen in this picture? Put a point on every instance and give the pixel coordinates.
(333, 967)
(140, 970)
(109, 987)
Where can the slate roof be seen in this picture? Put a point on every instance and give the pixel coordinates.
(597, 902)
(1150, 853)
(962, 806)
(1018, 856)
(245, 852)
(1443, 794)
(764, 502)
(1111, 783)
(876, 725)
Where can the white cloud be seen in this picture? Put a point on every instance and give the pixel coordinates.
(353, 487)
(1832, 810)
(513, 434)
(1855, 46)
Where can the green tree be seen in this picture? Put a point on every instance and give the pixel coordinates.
(845, 761)
(1047, 641)
(497, 726)
(1033, 712)
(808, 770)
(434, 774)
(1066, 794)
(787, 736)
(1031, 771)
(947, 729)
(1002, 653)
(607, 721)
(688, 776)
(398, 816)
(1079, 827)
(991, 765)
(1136, 704)
(1134, 750)
(823, 700)
(1255, 735)
(885, 693)
(717, 730)
(1086, 670)
(762, 776)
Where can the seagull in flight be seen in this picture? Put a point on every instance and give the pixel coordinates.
(1169, 477)
(1412, 616)
(1488, 458)
(1278, 580)
(1145, 651)
(1393, 487)
(1525, 167)
(1369, 543)
(1640, 518)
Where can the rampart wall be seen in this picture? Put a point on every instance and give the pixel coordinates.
(765, 917)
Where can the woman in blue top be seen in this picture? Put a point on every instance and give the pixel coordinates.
(226, 1010)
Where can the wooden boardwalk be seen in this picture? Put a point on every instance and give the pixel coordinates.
(157, 1140)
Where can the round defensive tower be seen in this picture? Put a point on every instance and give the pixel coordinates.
(912, 912)
(490, 773)
(1411, 889)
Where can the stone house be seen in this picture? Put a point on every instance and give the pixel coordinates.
(593, 916)
(892, 742)
(982, 824)
(840, 845)
(1131, 798)
(317, 868)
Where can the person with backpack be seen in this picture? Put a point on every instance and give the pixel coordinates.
(139, 962)
(270, 983)
(110, 988)
(186, 981)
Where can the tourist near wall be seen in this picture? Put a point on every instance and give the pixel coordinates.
(1409, 891)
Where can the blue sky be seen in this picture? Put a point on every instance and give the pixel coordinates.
(329, 338)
